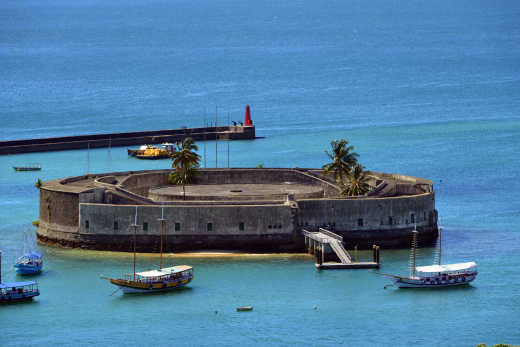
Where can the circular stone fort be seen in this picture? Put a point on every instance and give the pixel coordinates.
(250, 210)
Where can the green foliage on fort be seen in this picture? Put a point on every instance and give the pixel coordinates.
(38, 183)
(348, 173)
(185, 162)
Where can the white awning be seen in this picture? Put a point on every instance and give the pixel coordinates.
(164, 271)
(151, 273)
(447, 267)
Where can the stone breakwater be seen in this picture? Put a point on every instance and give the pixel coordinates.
(126, 139)
(267, 215)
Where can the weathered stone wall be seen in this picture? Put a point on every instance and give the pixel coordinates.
(59, 209)
(267, 225)
(252, 227)
(192, 220)
(386, 221)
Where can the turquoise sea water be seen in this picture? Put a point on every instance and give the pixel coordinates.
(430, 89)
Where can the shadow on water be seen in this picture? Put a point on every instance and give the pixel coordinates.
(429, 291)
(143, 296)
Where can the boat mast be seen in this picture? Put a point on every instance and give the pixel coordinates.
(440, 244)
(0, 267)
(413, 252)
(162, 220)
(135, 231)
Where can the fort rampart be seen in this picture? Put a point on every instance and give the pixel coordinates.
(258, 210)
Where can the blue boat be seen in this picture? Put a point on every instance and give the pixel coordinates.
(29, 264)
(16, 291)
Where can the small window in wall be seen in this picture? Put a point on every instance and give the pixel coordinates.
(360, 222)
(412, 218)
(177, 226)
(210, 226)
(390, 221)
(424, 215)
(145, 226)
(269, 227)
(116, 225)
(86, 224)
(241, 226)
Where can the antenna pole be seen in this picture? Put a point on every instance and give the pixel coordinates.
(88, 157)
(205, 131)
(109, 153)
(228, 143)
(216, 137)
(135, 232)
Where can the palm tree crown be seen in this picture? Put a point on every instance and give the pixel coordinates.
(343, 159)
(357, 182)
(185, 161)
(185, 156)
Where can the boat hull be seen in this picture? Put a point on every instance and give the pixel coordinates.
(152, 157)
(436, 282)
(24, 269)
(17, 297)
(130, 287)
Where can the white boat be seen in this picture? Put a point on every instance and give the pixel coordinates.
(436, 275)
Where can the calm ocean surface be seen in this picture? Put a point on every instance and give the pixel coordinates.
(430, 89)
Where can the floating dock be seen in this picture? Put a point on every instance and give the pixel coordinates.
(324, 242)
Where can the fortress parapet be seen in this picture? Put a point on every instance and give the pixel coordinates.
(256, 210)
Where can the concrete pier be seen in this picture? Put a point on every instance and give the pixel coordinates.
(126, 139)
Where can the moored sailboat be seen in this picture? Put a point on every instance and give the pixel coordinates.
(29, 264)
(436, 275)
(163, 279)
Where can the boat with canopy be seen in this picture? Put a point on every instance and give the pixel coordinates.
(29, 263)
(17, 291)
(436, 275)
(162, 279)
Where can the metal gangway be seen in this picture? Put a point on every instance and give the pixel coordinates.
(316, 243)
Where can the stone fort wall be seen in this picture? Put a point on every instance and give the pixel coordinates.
(89, 218)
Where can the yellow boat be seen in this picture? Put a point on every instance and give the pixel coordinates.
(152, 152)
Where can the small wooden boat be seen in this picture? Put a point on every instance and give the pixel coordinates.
(29, 264)
(17, 291)
(30, 167)
(155, 280)
(437, 275)
(244, 308)
(163, 279)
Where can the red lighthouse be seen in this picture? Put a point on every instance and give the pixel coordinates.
(247, 120)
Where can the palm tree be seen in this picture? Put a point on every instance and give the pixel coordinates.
(38, 183)
(357, 182)
(185, 161)
(343, 159)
